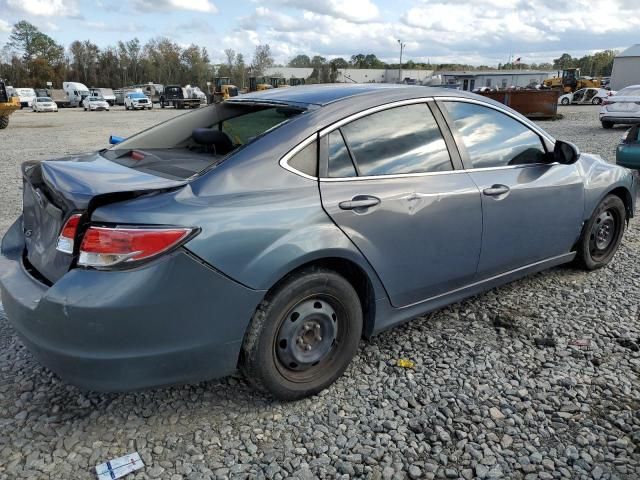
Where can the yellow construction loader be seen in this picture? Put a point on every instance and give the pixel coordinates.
(8, 105)
(570, 81)
(222, 89)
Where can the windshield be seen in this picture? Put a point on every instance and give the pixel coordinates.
(629, 92)
(136, 95)
(197, 141)
(44, 99)
(96, 99)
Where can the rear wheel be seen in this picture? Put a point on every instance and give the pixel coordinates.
(303, 336)
(4, 121)
(602, 234)
(596, 101)
(607, 125)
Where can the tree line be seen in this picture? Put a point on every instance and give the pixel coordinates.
(33, 58)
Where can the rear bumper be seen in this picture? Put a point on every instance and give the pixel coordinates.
(625, 120)
(174, 320)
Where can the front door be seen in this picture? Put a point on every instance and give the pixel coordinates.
(391, 187)
(532, 209)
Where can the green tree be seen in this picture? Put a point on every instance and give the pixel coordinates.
(300, 61)
(262, 59)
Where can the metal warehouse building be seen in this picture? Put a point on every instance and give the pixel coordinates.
(470, 80)
(626, 68)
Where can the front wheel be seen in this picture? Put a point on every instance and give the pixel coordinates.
(565, 101)
(4, 121)
(303, 335)
(602, 234)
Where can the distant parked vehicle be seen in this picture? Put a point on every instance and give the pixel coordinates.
(623, 107)
(44, 104)
(137, 101)
(105, 93)
(26, 96)
(75, 92)
(585, 96)
(178, 97)
(628, 150)
(94, 103)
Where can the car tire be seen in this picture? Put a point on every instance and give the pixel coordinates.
(565, 101)
(602, 234)
(303, 335)
(607, 125)
(4, 121)
(596, 101)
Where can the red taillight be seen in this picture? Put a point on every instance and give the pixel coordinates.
(104, 246)
(68, 234)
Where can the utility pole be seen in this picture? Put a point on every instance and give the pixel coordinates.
(402, 45)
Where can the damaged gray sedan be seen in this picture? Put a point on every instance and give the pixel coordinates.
(273, 231)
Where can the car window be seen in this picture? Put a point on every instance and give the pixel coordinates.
(340, 164)
(244, 128)
(629, 91)
(493, 139)
(398, 140)
(306, 160)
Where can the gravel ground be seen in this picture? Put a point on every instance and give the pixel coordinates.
(503, 385)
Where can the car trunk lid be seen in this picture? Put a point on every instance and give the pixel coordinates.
(55, 189)
(623, 104)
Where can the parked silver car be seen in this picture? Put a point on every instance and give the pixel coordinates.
(272, 231)
(621, 108)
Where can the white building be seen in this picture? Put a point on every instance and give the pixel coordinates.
(354, 75)
(288, 72)
(626, 68)
(472, 79)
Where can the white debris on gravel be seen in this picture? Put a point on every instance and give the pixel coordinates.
(484, 399)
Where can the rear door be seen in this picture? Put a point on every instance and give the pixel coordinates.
(532, 209)
(389, 182)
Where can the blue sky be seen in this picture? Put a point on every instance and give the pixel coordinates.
(465, 31)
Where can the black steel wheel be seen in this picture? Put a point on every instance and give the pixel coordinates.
(602, 234)
(303, 336)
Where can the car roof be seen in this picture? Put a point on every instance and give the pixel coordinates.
(325, 94)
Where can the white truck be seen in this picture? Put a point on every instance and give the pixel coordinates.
(76, 92)
(106, 93)
(27, 96)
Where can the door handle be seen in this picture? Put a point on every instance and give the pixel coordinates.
(359, 202)
(496, 190)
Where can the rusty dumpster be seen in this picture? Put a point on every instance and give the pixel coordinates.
(530, 103)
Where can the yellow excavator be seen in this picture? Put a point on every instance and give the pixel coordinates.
(223, 89)
(257, 84)
(570, 81)
(8, 105)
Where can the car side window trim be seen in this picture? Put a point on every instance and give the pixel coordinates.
(445, 131)
(466, 160)
(284, 161)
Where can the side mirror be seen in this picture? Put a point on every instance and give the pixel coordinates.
(113, 140)
(565, 153)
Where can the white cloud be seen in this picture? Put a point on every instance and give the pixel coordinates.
(204, 6)
(5, 27)
(357, 11)
(51, 8)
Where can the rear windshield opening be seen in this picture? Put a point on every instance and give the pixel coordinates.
(192, 143)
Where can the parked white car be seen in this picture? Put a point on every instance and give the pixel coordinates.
(137, 100)
(585, 96)
(44, 104)
(94, 104)
(623, 107)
